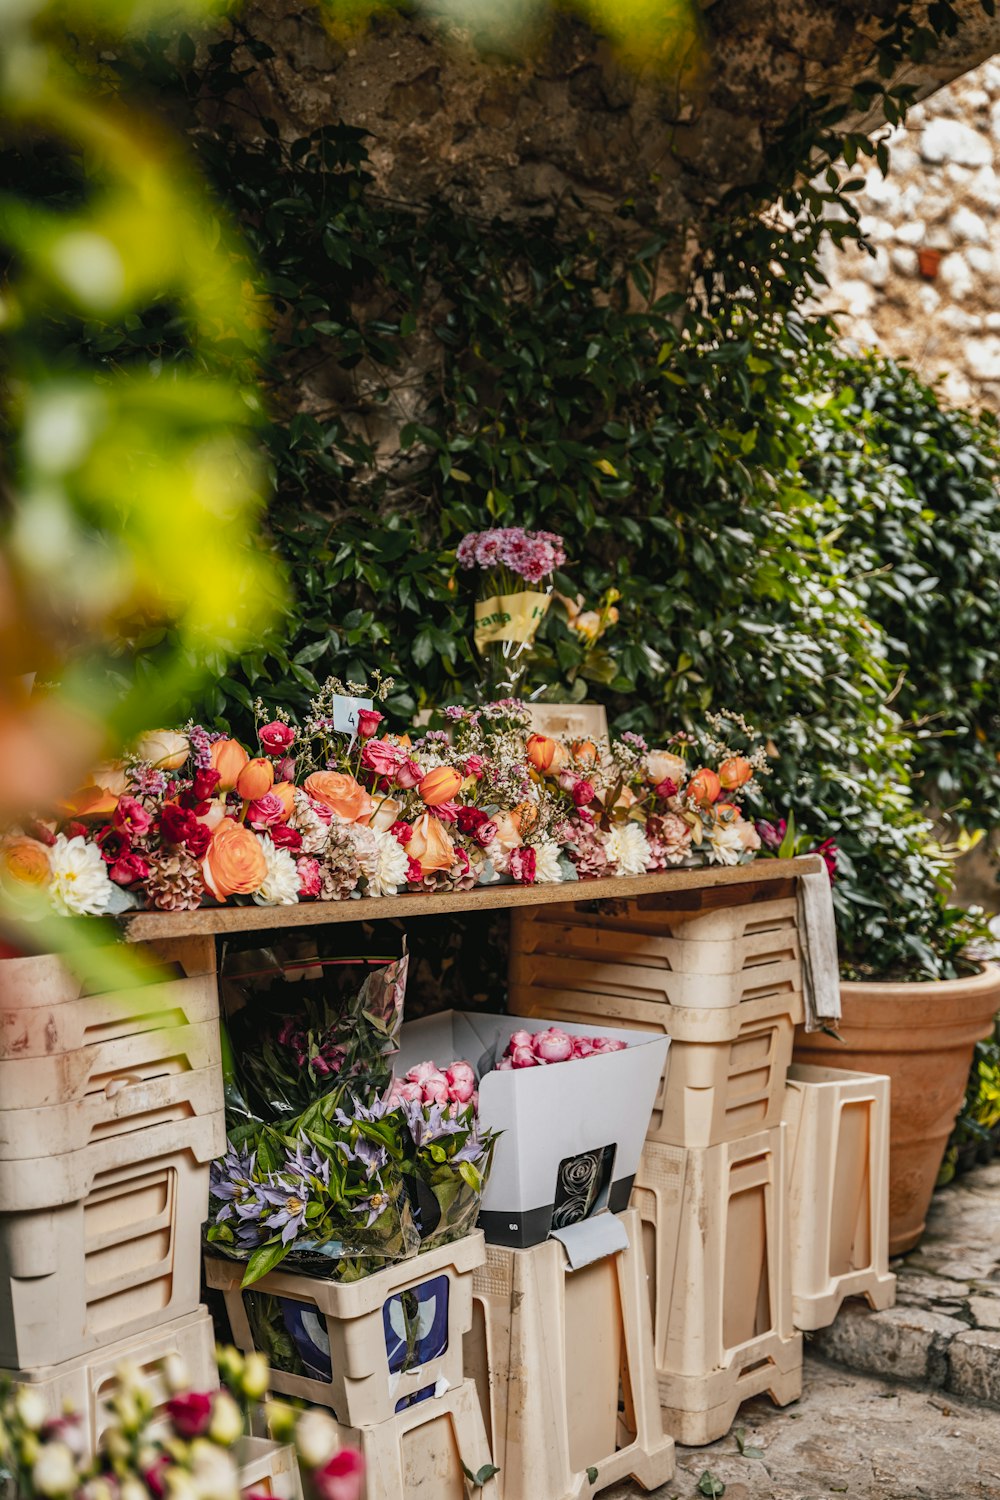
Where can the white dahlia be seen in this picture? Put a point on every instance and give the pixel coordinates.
(80, 885)
(280, 886)
(547, 871)
(628, 846)
(387, 872)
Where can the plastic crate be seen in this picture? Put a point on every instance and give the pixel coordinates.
(368, 1349)
(123, 1257)
(716, 1250)
(59, 1044)
(712, 958)
(85, 1384)
(125, 1103)
(725, 1071)
(838, 1191)
(563, 1359)
(268, 1468)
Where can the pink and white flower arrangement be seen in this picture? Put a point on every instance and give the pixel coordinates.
(539, 1049)
(531, 555)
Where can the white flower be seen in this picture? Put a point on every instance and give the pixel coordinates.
(547, 869)
(80, 884)
(31, 1407)
(317, 1437)
(54, 1473)
(388, 870)
(213, 1469)
(280, 886)
(628, 846)
(227, 1420)
(725, 844)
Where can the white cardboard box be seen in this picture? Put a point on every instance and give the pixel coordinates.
(549, 1117)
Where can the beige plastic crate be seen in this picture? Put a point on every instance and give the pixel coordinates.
(86, 1384)
(123, 1258)
(353, 1325)
(422, 1453)
(268, 1468)
(838, 1191)
(716, 1249)
(552, 978)
(564, 1363)
(714, 942)
(725, 1072)
(44, 981)
(126, 1103)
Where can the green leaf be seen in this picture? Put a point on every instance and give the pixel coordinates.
(263, 1260)
(482, 1476)
(710, 1486)
(592, 1474)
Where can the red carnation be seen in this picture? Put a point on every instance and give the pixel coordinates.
(197, 841)
(414, 872)
(177, 823)
(283, 837)
(470, 818)
(666, 788)
(128, 869)
(523, 866)
(204, 783)
(583, 792)
(402, 832)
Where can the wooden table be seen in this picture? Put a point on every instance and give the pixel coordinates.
(667, 888)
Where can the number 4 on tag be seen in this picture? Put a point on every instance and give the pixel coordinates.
(345, 714)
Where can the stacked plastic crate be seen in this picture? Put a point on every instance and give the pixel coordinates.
(721, 975)
(111, 1112)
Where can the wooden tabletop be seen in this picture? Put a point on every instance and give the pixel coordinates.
(146, 925)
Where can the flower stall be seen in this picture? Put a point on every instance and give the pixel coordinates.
(405, 1216)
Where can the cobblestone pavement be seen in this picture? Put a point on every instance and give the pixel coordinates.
(851, 1437)
(944, 1331)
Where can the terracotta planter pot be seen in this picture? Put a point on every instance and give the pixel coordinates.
(922, 1036)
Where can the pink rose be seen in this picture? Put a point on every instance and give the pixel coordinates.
(553, 1046)
(409, 774)
(310, 879)
(485, 834)
(266, 811)
(341, 1476)
(403, 1092)
(461, 1082)
(447, 812)
(519, 1039)
(276, 738)
(605, 1044)
(382, 758)
(523, 1057)
(473, 766)
(582, 1046)
(423, 1070)
(436, 1089)
(504, 1065)
(368, 721)
(522, 866)
(324, 813)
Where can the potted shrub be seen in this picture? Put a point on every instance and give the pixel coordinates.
(915, 999)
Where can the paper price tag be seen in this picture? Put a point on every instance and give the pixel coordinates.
(345, 714)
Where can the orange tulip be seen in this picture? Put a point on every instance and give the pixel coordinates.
(345, 797)
(704, 788)
(228, 758)
(543, 753)
(256, 779)
(735, 772)
(234, 863)
(440, 785)
(430, 845)
(725, 812)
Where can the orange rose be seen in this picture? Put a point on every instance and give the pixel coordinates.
(24, 863)
(386, 813)
(285, 791)
(585, 753)
(661, 765)
(256, 779)
(228, 758)
(345, 798)
(430, 845)
(545, 754)
(704, 788)
(440, 785)
(234, 864)
(508, 834)
(735, 772)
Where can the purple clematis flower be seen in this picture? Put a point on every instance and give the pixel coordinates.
(286, 1204)
(231, 1181)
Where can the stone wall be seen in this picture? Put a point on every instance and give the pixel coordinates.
(931, 294)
